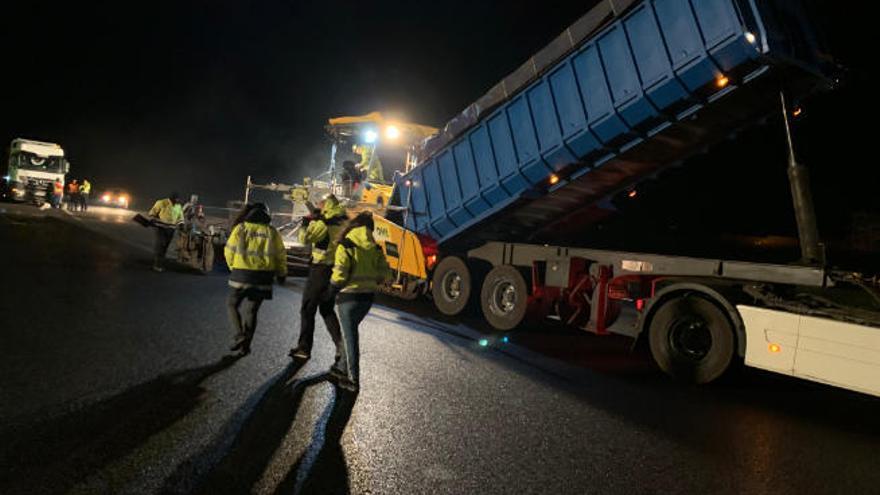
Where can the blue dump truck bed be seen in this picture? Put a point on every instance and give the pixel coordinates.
(634, 87)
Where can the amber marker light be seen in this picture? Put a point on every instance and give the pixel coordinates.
(774, 348)
(554, 179)
(722, 81)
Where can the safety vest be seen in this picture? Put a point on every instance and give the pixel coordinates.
(165, 211)
(86, 187)
(256, 247)
(360, 265)
(323, 236)
(58, 188)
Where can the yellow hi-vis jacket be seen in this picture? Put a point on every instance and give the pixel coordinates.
(360, 263)
(85, 187)
(165, 211)
(255, 247)
(323, 233)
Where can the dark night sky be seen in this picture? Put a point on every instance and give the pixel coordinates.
(195, 95)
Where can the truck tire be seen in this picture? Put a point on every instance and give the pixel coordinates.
(451, 286)
(504, 297)
(692, 339)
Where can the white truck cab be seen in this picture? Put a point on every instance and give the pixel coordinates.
(33, 167)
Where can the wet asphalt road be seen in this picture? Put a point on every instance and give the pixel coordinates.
(113, 380)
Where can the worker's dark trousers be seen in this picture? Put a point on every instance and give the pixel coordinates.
(244, 322)
(163, 238)
(316, 286)
(353, 308)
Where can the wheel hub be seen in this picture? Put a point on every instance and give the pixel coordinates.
(451, 286)
(504, 297)
(690, 337)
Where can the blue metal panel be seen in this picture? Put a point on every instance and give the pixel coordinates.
(691, 62)
(451, 190)
(531, 165)
(724, 33)
(573, 119)
(437, 211)
(467, 178)
(623, 78)
(419, 218)
(484, 158)
(553, 150)
(654, 66)
(505, 155)
(602, 118)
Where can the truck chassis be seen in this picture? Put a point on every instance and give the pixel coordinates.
(698, 316)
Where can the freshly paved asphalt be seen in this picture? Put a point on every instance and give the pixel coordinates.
(113, 380)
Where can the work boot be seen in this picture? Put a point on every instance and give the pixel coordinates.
(299, 353)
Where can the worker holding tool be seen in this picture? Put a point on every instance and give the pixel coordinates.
(321, 229)
(166, 214)
(359, 268)
(256, 257)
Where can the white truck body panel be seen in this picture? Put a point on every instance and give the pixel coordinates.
(838, 353)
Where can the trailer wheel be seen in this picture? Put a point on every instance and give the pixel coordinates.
(504, 297)
(451, 285)
(692, 339)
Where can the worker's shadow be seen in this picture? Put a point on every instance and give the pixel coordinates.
(236, 466)
(322, 468)
(53, 456)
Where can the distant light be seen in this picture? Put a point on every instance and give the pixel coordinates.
(106, 198)
(640, 305)
(483, 342)
(751, 38)
(722, 81)
(370, 136)
(6, 178)
(392, 132)
(553, 179)
(774, 348)
(797, 111)
(632, 193)
(407, 183)
(505, 339)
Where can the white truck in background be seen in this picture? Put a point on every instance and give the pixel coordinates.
(32, 168)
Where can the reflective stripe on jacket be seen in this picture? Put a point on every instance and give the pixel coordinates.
(360, 263)
(255, 247)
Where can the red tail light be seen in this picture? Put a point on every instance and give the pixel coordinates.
(429, 250)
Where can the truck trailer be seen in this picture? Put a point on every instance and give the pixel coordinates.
(631, 89)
